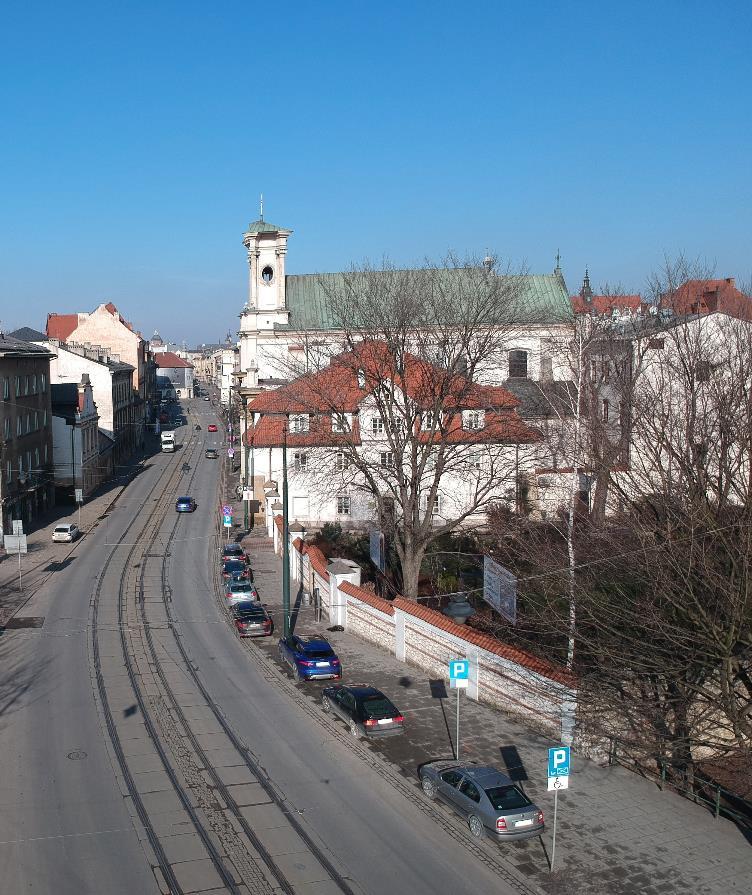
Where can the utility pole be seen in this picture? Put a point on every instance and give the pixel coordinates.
(285, 538)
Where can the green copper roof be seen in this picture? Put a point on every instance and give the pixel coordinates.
(539, 298)
(262, 226)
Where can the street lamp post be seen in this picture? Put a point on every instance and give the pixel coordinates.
(245, 462)
(285, 539)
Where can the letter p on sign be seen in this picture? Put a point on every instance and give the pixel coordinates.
(558, 761)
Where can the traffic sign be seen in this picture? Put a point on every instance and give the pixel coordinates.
(230, 453)
(558, 761)
(227, 521)
(459, 673)
(17, 526)
(558, 778)
(226, 510)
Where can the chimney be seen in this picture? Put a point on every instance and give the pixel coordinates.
(731, 281)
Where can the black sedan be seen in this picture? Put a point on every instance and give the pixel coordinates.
(234, 551)
(365, 710)
(251, 619)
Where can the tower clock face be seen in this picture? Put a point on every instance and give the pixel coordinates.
(267, 275)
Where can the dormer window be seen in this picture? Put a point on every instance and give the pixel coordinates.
(267, 275)
(428, 421)
(341, 422)
(473, 419)
(299, 422)
(361, 379)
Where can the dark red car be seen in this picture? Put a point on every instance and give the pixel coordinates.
(211, 427)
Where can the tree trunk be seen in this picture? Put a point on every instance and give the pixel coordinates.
(411, 564)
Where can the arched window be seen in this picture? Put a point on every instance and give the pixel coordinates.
(518, 364)
(267, 274)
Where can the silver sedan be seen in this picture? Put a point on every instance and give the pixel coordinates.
(489, 800)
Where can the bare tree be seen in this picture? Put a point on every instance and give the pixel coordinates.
(421, 430)
(664, 605)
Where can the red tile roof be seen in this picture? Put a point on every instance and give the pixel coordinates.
(366, 596)
(707, 296)
(317, 560)
(604, 305)
(166, 359)
(337, 388)
(113, 310)
(60, 326)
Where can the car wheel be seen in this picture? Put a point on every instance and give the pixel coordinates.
(476, 827)
(296, 674)
(325, 704)
(355, 730)
(428, 787)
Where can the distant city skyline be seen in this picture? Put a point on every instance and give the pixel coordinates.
(142, 137)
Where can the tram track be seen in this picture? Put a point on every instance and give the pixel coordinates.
(153, 650)
(236, 743)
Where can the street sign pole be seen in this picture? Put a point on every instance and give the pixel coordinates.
(553, 840)
(459, 674)
(558, 778)
(457, 750)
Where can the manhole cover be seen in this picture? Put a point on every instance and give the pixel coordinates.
(77, 755)
(28, 622)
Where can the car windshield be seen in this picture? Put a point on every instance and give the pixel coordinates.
(379, 707)
(241, 587)
(184, 500)
(234, 565)
(507, 798)
(62, 528)
(233, 550)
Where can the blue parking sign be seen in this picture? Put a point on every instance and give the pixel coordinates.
(459, 670)
(558, 761)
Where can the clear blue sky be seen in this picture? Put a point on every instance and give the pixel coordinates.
(137, 137)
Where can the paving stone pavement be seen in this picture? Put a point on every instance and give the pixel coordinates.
(617, 833)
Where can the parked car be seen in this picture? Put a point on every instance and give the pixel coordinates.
(251, 619)
(206, 397)
(236, 591)
(211, 454)
(234, 551)
(309, 658)
(211, 427)
(486, 798)
(65, 532)
(234, 569)
(366, 711)
(185, 505)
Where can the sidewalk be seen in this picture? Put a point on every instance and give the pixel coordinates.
(617, 834)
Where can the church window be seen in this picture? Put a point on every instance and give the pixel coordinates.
(267, 274)
(518, 364)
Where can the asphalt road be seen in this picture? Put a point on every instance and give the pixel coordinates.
(66, 825)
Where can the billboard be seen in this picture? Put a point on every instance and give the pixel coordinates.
(377, 549)
(500, 589)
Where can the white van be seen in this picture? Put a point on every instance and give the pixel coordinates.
(168, 442)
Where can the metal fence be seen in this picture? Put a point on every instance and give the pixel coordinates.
(701, 789)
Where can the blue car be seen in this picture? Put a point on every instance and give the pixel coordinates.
(185, 505)
(311, 658)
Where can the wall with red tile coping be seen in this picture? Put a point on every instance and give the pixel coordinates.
(540, 693)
